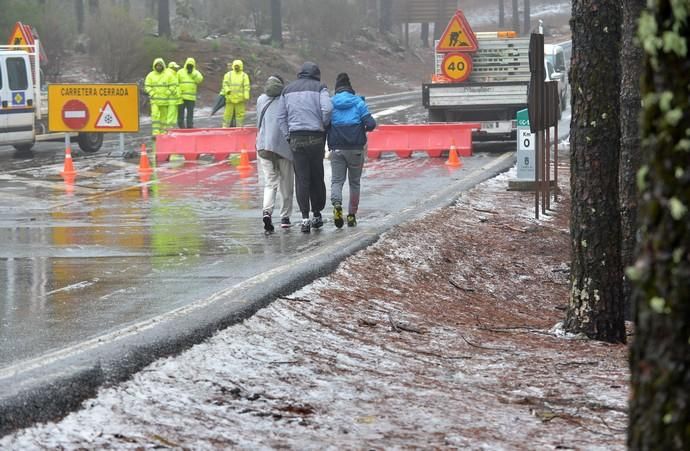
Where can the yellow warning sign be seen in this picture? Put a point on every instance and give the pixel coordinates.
(458, 36)
(93, 108)
(457, 66)
(21, 35)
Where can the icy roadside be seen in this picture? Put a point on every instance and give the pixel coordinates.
(437, 336)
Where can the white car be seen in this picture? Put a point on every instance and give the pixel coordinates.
(554, 60)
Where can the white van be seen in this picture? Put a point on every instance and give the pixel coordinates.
(556, 70)
(24, 106)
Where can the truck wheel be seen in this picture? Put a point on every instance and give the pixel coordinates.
(23, 148)
(90, 142)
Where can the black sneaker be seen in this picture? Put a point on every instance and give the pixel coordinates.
(351, 220)
(268, 224)
(338, 215)
(317, 222)
(306, 225)
(285, 223)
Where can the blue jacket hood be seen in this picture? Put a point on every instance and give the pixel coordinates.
(345, 100)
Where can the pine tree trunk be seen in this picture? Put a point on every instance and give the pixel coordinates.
(631, 71)
(660, 358)
(528, 18)
(93, 7)
(425, 35)
(516, 17)
(79, 13)
(386, 16)
(596, 298)
(164, 18)
(276, 23)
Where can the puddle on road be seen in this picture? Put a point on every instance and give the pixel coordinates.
(116, 248)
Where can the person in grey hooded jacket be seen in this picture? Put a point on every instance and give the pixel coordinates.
(303, 121)
(275, 156)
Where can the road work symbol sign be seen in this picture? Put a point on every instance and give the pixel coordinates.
(21, 35)
(93, 108)
(108, 118)
(458, 36)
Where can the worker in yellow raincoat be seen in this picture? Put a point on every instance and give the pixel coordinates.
(235, 88)
(175, 102)
(190, 78)
(160, 87)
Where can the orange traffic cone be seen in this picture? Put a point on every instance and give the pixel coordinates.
(244, 161)
(144, 165)
(69, 184)
(68, 170)
(453, 158)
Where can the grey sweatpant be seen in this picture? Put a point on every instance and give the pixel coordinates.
(346, 163)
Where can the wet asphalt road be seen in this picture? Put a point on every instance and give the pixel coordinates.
(106, 267)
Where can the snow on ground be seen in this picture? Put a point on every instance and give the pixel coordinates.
(441, 335)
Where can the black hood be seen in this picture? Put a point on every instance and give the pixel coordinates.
(310, 70)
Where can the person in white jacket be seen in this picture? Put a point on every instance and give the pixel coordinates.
(275, 156)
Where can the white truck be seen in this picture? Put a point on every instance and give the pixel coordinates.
(554, 58)
(24, 102)
(494, 92)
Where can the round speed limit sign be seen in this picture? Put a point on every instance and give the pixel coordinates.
(457, 66)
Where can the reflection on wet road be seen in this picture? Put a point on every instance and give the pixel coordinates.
(78, 261)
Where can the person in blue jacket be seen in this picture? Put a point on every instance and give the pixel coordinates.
(347, 140)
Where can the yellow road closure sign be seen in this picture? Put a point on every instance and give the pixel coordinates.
(105, 108)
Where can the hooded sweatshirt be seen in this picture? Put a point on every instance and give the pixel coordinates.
(308, 106)
(269, 136)
(189, 80)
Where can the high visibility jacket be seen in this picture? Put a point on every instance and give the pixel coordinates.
(159, 85)
(236, 84)
(177, 98)
(189, 81)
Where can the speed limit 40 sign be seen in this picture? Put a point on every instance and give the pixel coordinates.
(457, 66)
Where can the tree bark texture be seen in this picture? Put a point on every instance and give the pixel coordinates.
(596, 298)
(631, 71)
(660, 357)
(164, 18)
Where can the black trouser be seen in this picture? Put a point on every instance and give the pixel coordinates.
(308, 151)
(187, 105)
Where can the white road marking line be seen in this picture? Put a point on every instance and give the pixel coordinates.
(395, 109)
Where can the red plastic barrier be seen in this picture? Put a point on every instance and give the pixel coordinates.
(219, 142)
(433, 139)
